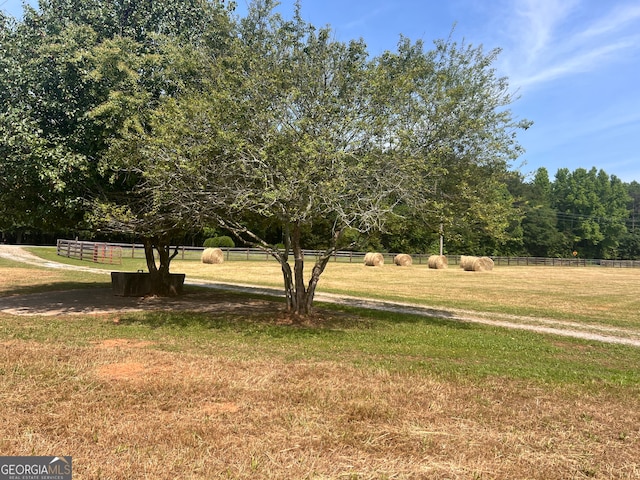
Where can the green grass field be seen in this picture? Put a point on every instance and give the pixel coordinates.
(596, 295)
(244, 391)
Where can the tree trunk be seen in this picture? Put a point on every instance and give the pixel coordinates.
(294, 287)
(318, 268)
(283, 258)
(160, 278)
(298, 272)
(299, 296)
(289, 291)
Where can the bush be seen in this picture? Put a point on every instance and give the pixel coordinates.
(220, 242)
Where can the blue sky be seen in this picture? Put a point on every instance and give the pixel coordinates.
(575, 65)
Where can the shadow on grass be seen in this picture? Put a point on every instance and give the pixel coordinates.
(52, 287)
(269, 317)
(269, 323)
(384, 311)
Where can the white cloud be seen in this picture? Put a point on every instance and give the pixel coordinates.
(366, 18)
(535, 24)
(614, 21)
(551, 39)
(575, 63)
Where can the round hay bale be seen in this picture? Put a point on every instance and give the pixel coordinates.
(403, 260)
(438, 262)
(372, 259)
(482, 264)
(212, 256)
(466, 262)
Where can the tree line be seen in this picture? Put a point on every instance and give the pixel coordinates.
(585, 213)
(165, 121)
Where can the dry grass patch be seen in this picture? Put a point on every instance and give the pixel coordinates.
(130, 411)
(12, 278)
(122, 342)
(20, 279)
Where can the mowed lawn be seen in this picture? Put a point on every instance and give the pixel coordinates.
(595, 295)
(248, 392)
(586, 294)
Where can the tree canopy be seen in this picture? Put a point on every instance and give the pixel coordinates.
(80, 74)
(302, 130)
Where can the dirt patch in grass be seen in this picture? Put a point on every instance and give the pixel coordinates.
(122, 343)
(121, 371)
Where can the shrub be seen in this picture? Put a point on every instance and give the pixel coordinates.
(221, 242)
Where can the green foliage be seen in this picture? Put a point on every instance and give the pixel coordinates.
(222, 241)
(44, 169)
(630, 243)
(317, 138)
(588, 212)
(137, 20)
(73, 75)
(541, 237)
(592, 210)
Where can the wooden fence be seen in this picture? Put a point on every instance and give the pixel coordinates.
(113, 253)
(90, 251)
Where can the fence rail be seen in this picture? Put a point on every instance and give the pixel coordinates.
(90, 251)
(114, 252)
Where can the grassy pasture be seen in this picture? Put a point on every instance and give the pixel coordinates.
(585, 294)
(250, 393)
(595, 295)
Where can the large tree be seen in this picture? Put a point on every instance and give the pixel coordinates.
(451, 113)
(288, 133)
(45, 138)
(302, 130)
(540, 229)
(592, 211)
(142, 74)
(75, 76)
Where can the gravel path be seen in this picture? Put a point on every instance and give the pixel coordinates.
(101, 301)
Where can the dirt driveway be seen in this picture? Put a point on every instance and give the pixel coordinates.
(99, 301)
